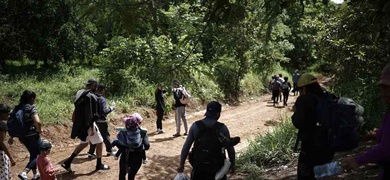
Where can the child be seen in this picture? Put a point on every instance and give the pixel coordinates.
(5, 155)
(132, 144)
(46, 169)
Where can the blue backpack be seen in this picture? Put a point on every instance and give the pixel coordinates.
(337, 125)
(20, 122)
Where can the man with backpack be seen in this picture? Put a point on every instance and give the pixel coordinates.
(313, 151)
(84, 126)
(180, 108)
(102, 122)
(210, 139)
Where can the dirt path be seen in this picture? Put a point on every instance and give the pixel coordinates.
(246, 121)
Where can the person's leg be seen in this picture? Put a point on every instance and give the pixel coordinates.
(103, 128)
(135, 161)
(285, 96)
(122, 167)
(184, 118)
(177, 120)
(32, 144)
(280, 96)
(160, 115)
(91, 151)
(66, 164)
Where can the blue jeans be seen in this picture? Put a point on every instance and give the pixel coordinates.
(32, 144)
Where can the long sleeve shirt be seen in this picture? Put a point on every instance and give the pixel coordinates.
(46, 169)
(104, 110)
(160, 103)
(380, 153)
(194, 130)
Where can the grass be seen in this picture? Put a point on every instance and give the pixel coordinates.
(274, 147)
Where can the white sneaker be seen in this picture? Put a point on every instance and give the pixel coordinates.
(36, 176)
(23, 176)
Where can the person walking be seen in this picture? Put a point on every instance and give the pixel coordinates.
(31, 139)
(45, 167)
(6, 158)
(207, 170)
(295, 82)
(160, 107)
(102, 122)
(84, 126)
(281, 81)
(276, 88)
(286, 86)
(312, 151)
(132, 144)
(180, 108)
(380, 153)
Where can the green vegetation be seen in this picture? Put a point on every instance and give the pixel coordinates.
(273, 148)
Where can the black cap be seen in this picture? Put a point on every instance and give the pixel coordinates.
(213, 108)
(90, 81)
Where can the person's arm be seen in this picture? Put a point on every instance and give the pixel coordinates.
(37, 122)
(380, 152)
(145, 142)
(299, 116)
(103, 104)
(48, 167)
(230, 149)
(186, 147)
(4, 147)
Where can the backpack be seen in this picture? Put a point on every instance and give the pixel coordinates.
(186, 96)
(84, 114)
(208, 153)
(285, 87)
(337, 125)
(20, 122)
(275, 85)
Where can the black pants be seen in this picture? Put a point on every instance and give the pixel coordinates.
(285, 98)
(160, 115)
(195, 175)
(103, 128)
(308, 158)
(129, 163)
(32, 144)
(275, 95)
(295, 88)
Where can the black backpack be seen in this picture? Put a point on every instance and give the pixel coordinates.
(208, 153)
(20, 122)
(337, 125)
(285, 87)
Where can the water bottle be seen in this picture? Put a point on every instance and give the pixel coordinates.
(329, 169)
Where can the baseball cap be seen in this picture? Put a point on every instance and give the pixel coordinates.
(385, 76)
(213, 108)
(90, 81)
(306, 79)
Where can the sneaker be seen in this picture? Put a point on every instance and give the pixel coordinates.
(161, 131)
(176, 135)
(91, 155)
(102, 167)
(67, 167)
(112, 152)
(36, 176)
(185, 134)
(23, 176)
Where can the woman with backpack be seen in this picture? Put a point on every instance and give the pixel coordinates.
(286, 86)
(30, 135)
(381, 152)
(132, 144)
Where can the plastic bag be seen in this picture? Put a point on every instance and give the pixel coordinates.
(224, 169)
(181, 176)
